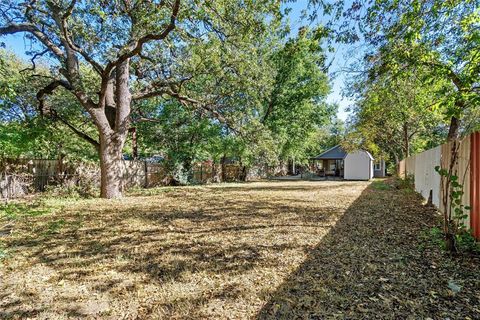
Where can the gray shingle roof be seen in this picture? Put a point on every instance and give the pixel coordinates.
(333, 153)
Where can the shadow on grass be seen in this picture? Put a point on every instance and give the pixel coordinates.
(218, 232)
(373, 264)
(367, 265)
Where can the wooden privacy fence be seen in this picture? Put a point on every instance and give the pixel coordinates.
(421, 167)
(19, 177)
(206, 172)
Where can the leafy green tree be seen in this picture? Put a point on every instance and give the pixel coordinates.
(442, 37)
(399, 115)
(23, 131)
(112, 55)
(182, 135)
(296, 107)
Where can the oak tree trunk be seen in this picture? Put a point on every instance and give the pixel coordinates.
(112, 166)
(113, 131)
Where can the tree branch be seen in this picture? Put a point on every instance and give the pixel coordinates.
(35, 56)
(70, 42)
(135, 47)
(160, 88)
(79, 133)
(42, 37)
(49, 90)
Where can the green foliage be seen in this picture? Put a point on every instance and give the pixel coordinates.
(296, 107)
(407, 183)
(181, 134)
(457, 210)
(23, 131)
(438, 38)
(397, 116)
(214, 62)
(456, 213)
(380, 185)
(232, 87)
(325, 137)
(54, 227)
(464, 240)
(436, 236)
(14, 210)
(289, 77)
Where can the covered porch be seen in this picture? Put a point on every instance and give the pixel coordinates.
(329, 163)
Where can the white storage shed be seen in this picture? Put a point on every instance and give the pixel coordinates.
(358, 165)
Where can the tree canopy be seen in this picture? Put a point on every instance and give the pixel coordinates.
(198, 80)
(111, 56)
(440, 37)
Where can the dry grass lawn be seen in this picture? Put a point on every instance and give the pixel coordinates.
(237, 251)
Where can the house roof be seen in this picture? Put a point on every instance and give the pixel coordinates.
(336, 152)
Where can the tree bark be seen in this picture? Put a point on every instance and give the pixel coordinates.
(114, 134)
(111, 114)
(134, 143)
(454, 129)
(112, 166)
(406, 141)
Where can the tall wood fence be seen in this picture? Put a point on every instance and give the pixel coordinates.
(421, 167)
(207, 172)
(19, 177)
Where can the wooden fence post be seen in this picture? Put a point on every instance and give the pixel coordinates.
(475, 184)
(146, 173)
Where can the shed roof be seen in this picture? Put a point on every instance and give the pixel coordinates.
(370, 155)
(336, 152)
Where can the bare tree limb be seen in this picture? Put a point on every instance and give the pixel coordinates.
(49, 90)
(42, 37)
(35, 56)
(136, 46)
(79, 133)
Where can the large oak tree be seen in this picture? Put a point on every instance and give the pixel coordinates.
(140, 49)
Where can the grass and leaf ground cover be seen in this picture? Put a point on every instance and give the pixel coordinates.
(264, 250)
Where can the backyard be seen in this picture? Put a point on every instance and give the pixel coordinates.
(284, 249)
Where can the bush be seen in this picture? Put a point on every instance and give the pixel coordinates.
(465, 242)
(380, 185)
(408, 183)
(70, 190)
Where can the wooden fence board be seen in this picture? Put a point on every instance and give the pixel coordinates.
(422, 167)
(475, 184)
(22, 176)
(427, 180)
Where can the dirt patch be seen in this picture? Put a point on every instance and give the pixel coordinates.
(236, 251)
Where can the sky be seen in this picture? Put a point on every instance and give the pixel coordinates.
(19, 45)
